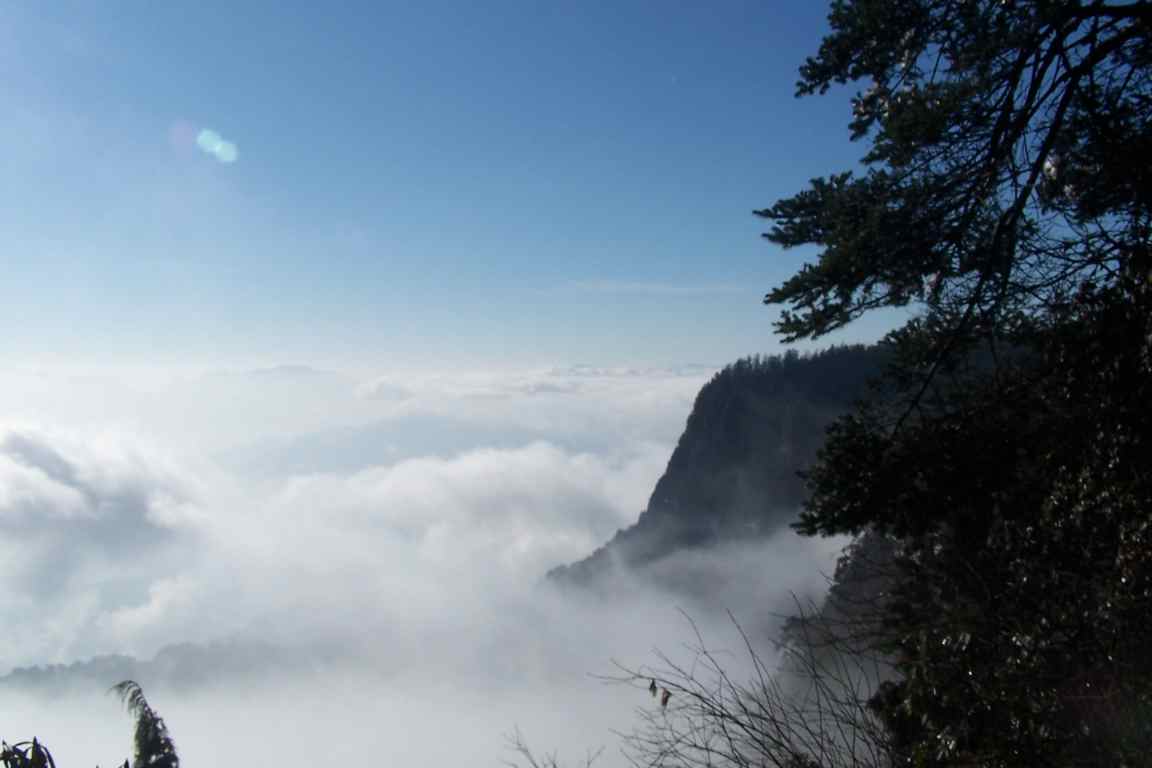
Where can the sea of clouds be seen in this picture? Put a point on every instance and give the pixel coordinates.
(403, 519)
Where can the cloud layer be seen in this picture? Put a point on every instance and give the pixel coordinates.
(404, 520)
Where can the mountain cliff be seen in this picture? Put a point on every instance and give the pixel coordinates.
(734, 473)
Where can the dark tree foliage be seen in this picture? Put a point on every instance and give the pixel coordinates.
(1010, 156)
(1023, 580)
(152, 746)
(1008, 190)
(26, 754)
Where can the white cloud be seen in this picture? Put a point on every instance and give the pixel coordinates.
(88, 523)
(120, 536)
(165, 555)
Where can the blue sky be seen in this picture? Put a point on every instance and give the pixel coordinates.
(509, 181)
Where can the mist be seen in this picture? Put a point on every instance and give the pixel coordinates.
(387, 535)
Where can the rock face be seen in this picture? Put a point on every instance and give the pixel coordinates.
(733, 475)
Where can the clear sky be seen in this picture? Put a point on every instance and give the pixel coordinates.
(511, 181)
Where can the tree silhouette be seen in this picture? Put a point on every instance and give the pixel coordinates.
(26, 754)
(1007, 191)
(152, 746)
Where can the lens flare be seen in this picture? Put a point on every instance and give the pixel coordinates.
(212, 143)
(226, 152)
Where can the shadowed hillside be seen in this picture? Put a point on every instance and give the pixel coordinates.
(733, 475)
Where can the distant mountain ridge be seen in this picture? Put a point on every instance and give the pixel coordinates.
(733, 474)
(182, 666)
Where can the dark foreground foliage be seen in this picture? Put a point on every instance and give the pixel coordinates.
(152, 746)
(1007, 193)
(26, 754)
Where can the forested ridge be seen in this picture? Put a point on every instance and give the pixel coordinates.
(734, 474)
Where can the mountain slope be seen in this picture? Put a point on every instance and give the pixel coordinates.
(733, 474)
